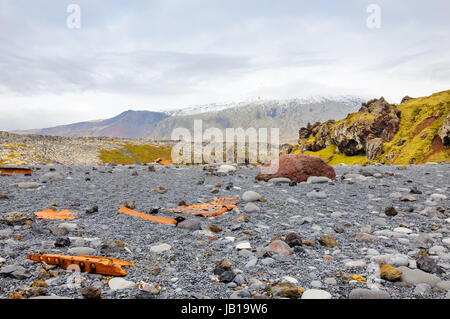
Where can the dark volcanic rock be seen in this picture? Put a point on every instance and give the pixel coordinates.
(428, 265)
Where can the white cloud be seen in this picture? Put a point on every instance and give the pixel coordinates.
(160, 54)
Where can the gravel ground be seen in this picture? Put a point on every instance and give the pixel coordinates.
(355, 204)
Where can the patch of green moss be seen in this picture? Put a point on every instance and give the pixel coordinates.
(357, 118)
(148, 153)
(414, 113)
(115, 156)
(144, 153)
(333, 157)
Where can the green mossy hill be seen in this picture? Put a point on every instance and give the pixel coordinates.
(143, 153)
(416, 141)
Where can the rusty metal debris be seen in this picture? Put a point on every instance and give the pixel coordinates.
(83, 263)
(8, 171)
(163, 162)
(207, 210)
(51, 214)
(156, 219)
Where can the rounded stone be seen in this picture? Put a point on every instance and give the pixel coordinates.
(316, 294)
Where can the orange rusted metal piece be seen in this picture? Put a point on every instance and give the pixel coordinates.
(207, 210)
(163, 162)
(8, 170)
(51, 214)
(90, 264)
(156, 219)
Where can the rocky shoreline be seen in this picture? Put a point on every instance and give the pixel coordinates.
(318, 239)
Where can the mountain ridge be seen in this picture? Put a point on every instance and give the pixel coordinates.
(256, 113)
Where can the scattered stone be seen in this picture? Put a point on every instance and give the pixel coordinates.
(78, 251)
(392, 259)
(13, 271)
(427, 264)
(317, 194)
(160, 248)
(91, 209)
(318, 180)
(51, 177)
(152, 289)
(120, 284)
(190, 224)
(364, 238)
(280, 180)
(62, 242)
(280, 247)
(215, 228)
(390, 273)
(91, 293)
(130, 204)
(227, 276)
(251, 196)
(29, 185)
(222, 266)
(292, 239)
(251, 208)
(286, 290)
(14, 218)
(316, 294)
(59, 231)
(361, 293)
(391, 211)
(417, 276)
(243, 245)
(328, 241)
(226, 169)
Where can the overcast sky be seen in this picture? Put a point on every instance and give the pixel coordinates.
(161, 54)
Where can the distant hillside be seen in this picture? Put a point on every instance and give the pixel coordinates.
(129, 124)
(288, 115)
(415, 132)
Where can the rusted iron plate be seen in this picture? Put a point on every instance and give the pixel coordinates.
(83, 263)
(155, 219)
(15, 170)
(51, 214)
(207, 210)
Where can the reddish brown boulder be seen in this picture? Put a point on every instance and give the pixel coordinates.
(298, 168)
(279, 247)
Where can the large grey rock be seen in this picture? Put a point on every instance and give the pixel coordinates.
(251, 208)
(317, 194)
(316, 294)
(160, 248)
(13, 271)
(82, 251)
(120, 284)
(51, 177)
(14, 218)
(318, 180)
(392, 259)
(417, 276)
(29, 185)
(190, 224)
(361, 293)
(251, 196)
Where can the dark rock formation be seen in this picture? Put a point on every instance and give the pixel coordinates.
(375, 120)
(444, 132)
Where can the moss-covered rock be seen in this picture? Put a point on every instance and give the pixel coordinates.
(414, 132)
